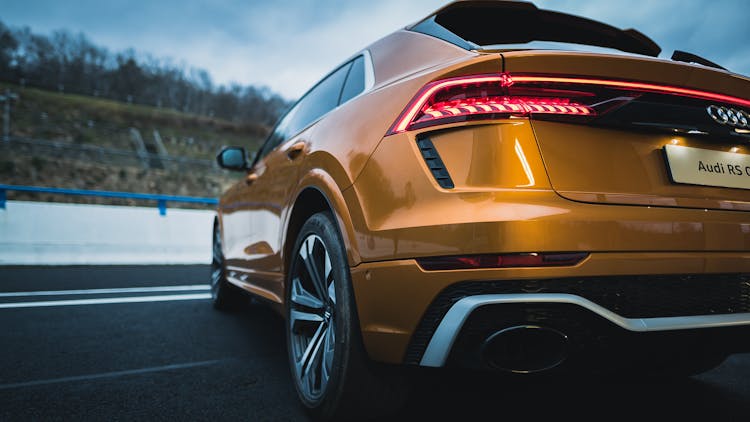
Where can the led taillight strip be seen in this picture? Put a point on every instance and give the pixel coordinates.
(502, 105)
(408, 116)
(638, 86)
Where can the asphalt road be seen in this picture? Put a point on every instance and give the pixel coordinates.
(166, 354)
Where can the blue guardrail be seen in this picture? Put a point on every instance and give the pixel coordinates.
(161, 200)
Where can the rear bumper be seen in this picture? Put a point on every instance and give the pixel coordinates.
(442, 341)
(395, 299)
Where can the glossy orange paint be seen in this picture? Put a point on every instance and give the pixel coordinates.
(521, 185)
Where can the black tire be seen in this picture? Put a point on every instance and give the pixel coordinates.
(225, 296)
(332, 374)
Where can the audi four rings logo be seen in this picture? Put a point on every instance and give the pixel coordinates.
(729, 116)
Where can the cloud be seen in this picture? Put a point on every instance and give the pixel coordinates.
(289, 44)
(714, 29)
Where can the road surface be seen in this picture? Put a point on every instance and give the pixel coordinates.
(126, 343)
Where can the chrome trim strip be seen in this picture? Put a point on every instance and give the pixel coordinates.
(442, 341)
(369, 71)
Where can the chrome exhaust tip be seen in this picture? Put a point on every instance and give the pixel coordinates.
(525, 349)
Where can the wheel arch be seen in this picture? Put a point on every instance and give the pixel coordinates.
(318, 192)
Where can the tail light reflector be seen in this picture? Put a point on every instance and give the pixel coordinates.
(501, 261)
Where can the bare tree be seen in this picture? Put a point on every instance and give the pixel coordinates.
(70, 62)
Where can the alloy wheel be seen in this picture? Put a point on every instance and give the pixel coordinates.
(312, 317)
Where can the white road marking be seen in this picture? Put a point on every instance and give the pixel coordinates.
(190, 287)
(108, 374)
(130, 299)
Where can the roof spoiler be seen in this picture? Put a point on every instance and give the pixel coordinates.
(474, 23)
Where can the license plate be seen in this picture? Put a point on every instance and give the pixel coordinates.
(698, 166)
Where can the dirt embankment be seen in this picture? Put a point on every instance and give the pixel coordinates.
(71, 141)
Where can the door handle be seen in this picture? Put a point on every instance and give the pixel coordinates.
(296, 150)
(252, 177)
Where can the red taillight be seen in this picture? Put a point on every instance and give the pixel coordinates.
(491, 105)
(483, 97)
(425, 96)
(501, 261)
(486, 97)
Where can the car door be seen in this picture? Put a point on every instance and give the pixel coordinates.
(248, 217)
(256, 260)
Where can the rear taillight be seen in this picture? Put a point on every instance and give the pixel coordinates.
(501, 261)
(496, 96)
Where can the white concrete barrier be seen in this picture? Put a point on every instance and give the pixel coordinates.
(44, 233)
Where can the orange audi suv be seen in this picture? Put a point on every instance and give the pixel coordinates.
(497, 187)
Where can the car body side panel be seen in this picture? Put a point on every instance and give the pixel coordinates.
(405, 52)
(252, 220)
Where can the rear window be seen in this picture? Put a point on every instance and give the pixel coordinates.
(355, 82)
(323, 98)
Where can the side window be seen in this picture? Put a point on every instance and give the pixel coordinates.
(355, 82)
(280, 132)
(323, 98)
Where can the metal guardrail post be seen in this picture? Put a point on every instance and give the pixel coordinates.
(6, 99)
(3, 198)
(162, 204)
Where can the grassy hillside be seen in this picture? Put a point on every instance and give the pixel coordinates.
(89, 120)
(74, 141)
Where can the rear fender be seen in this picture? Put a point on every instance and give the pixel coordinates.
(324, 183)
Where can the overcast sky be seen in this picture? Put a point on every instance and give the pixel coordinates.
(287, 45)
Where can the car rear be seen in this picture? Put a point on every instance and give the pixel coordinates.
(533, 209)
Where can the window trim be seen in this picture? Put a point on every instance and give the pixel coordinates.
(369, 72)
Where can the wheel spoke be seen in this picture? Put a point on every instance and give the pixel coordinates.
(215, 276)
(312, 269)
(217, 264)
(321, 359)
(329, 280)
(317, 360)
(332, 292)
(330, 342)
(312, 350)
(217, 247)
(302, 316)
(302, 297)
